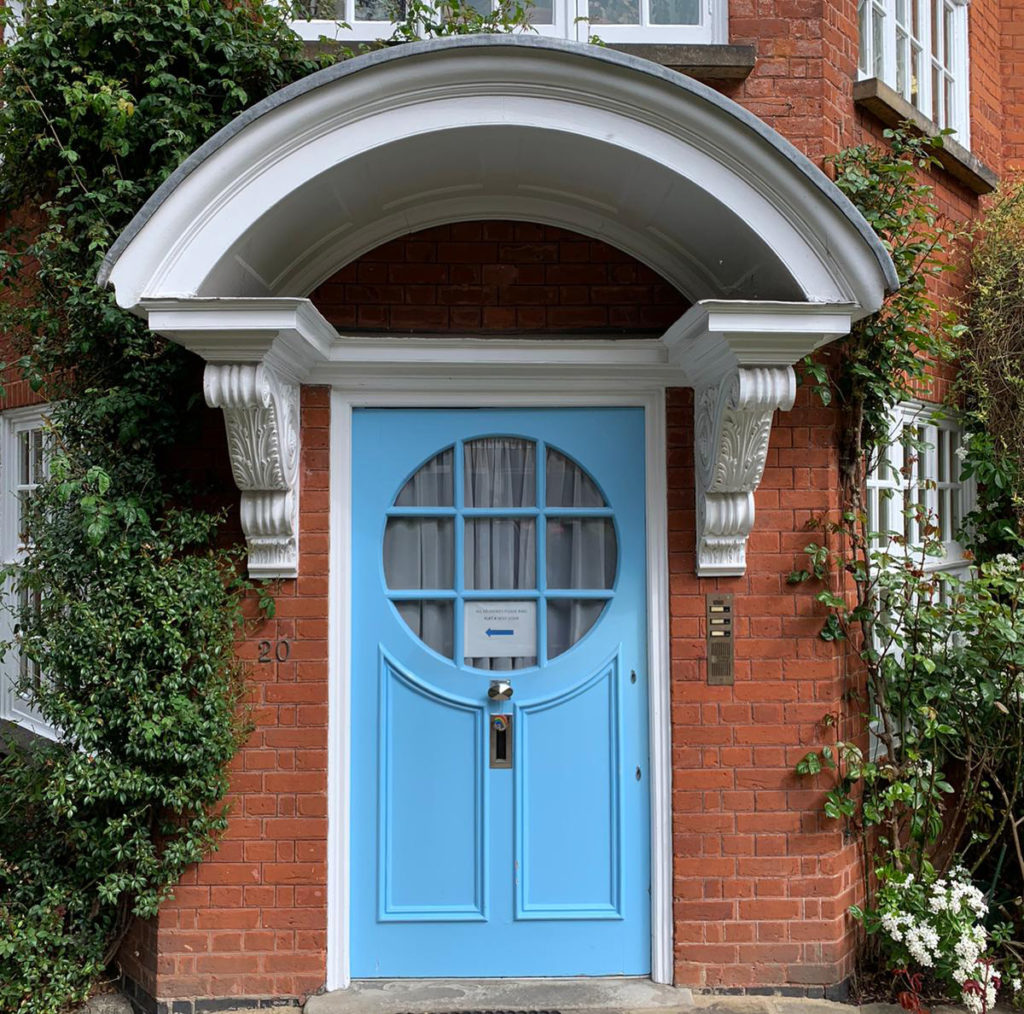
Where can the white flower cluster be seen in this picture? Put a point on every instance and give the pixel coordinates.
(948, 932)
(956, 894)
(980, 995)
(1007, 563)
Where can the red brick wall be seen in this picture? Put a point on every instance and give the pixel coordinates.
(1011, 37)
(762, 880)
(498, 277)
(251, 920)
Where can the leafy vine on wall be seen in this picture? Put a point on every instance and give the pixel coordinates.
(925, 768)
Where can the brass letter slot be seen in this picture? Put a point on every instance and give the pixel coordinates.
(501, 741)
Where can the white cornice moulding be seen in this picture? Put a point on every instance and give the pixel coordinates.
(739, 357)
(716, 336)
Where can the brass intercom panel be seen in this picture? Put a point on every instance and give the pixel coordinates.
(720, 638)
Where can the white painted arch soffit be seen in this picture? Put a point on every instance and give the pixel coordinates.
(773, 257)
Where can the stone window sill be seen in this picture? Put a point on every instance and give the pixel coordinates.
(892, 109)
(714, 62)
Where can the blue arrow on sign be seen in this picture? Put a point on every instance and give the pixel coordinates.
(499, 633)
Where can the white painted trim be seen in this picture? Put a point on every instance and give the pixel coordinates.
(659, 670)
(429, 393)
(339, 639)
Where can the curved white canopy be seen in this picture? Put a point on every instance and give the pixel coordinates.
(483, 127)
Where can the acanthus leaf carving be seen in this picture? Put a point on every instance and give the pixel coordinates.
(261, 416)
(733, 421)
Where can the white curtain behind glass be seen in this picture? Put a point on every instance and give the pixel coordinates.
(501, 552)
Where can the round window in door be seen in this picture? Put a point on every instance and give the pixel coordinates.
(500, 552)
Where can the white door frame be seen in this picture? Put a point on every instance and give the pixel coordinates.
(493, 389)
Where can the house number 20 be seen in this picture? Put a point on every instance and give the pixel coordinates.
(274, 651)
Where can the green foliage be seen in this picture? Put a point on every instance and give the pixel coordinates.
(943, 662)
(876, 366)
(991, 381)
(941, 676)
(127, 610)
(943, 656)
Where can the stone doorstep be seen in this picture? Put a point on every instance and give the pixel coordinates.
(439, 996)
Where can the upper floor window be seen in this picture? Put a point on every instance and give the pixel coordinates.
(916, 482)
(704, 21)
(919, 49)
(23, 465)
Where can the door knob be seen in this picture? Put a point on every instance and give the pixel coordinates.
(499, 689)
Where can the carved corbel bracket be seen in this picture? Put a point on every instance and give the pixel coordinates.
(733, 426)
(261, 413)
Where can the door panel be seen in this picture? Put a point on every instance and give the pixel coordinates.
(510, 546)
(421, 780)
(568, 841)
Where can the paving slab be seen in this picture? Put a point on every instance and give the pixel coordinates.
(106, 1003)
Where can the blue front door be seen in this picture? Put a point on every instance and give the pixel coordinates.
(499, 800)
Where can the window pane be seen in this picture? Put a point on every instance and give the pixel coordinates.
(319, 9)
(568, 485)
(863, 16)
(878, 41)
(542, 13)
(675, 12)
(431, 622)
(901, 65)
(615, 12)
(501, 472)
(499, 636)
(884, 510)
(24, 459)
(568, 621)
(501, 553)
(38, 466)
(915, 76)
(419, 553)
(432, 484)
(581, 553)
(379, 10)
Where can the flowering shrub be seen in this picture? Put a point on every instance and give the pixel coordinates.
(936, 923)
(943, 668)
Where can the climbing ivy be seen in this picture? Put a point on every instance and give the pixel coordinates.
(128, 609)
(938, 673)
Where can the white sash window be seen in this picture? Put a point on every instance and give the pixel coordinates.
(919, 49)
(683, 21)
(23, 464)
(917, 480)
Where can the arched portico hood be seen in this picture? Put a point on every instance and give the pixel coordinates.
(500, 126)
